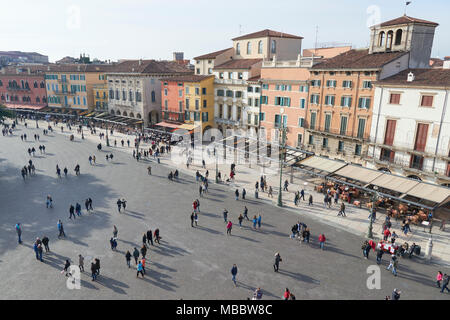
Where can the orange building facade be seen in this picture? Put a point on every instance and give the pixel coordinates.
(284, 101)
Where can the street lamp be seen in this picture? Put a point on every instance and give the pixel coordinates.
(283, 142)
(107, 138)
(372, 211)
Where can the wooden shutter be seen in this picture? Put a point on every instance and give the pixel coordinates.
(427, 101)
(421, 137)
(390, 132)
(395, 98)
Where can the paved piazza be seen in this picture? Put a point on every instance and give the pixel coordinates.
(190, 263)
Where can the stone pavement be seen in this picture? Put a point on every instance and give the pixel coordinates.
(190, 263)
(357, 218)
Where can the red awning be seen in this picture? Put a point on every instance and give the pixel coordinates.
(167, 124)
(23, 106)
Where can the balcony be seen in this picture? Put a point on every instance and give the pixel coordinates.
(336, 133)
(65, 93)
(18, 89)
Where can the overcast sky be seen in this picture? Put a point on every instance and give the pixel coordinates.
(153, 29)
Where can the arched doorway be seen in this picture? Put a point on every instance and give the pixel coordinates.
(118, 112)
(112, 112)
(125, 114)
(153, 117)
(131, 115)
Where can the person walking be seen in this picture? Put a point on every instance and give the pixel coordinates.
(286, 184)
(270, 193)
(136, 255)
(81, 262)
(302, 195)
(225, 215)
(124, 204)
(229, 227)
(143, 250)
(243, 193)
(139, 270)
(195, 218)
(66, 267)
(386, 234)
(144, 239)
(445, 281)
(286, 294)
(128, 258)
(93, 271)
(278, 259)
(71, 212)
(192, 219)
(236, 195)
(19, 232)
(379, 256)
(156, 236)
(90, 204)
(310, 200)
(258, 220)
(255, 221)
(234, 271)
(143, 264)
(240, 218)
(322, 240)
(342, 210)
(45, 241)
(396, 294)
(393, 264)
(150, 237)
(60, 229)
(439, 278)
(246, 213)
(115, 232)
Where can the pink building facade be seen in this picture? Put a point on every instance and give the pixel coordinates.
(284, 101)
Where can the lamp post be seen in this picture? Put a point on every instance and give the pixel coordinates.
(372, 211)
(217, 166)
(283, 141)
(107, 138)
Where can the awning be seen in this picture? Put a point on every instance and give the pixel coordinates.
(188, 126)
(168, 124)
(430, 192)
(358, 173)
(102, 114)
(83, 113)
(322, 164)
(395, 183)
(23, 106)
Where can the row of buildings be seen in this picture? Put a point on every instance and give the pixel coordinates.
(382, 107)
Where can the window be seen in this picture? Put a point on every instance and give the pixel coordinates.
(273, 47)
(203, 90)
(361, 128)
(364, 103)
(283, 101)
(35, 84)
(256, 102)
(187, 90)
(197, 71)
(398, 37)
(180, 93)
(197, 91)
(314, 99)
(205, 104)
(394, 98)
(315, 83)
(367, 84)
(124, 95)
(264, 100)
(302, 103)
(387, 155)
(340, 146)
(180, 106)
(249, 89)
(249, 47)
(325, 143)
(166, 104)
(205, 116)
(130, 94)
(221, 75)
(346, 101)
(210, 71)
(265, 86)
(389, 40)
(238, 94)
(301, 122)
(331, 83)
(299, 139)
(311, 139)
(230, 75)
(117, 95)
(257, 90)
(260, 46)
(416, 162)
(262, 116)
(238, 48)
(229, 93)
(165, 92)
(312, 124)
(277, 121)
(220, 111)
(197, 104)
(327, 122)
(343, 129)
(220, 93)
(240, 77)
(426, 101)
(249, 102)
(347, 84)
(138, 96)
(358, 150)
(187, 103)
(329, 100)
(153, 96)
(381, 39)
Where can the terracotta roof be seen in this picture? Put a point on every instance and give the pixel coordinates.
(254, 79)
(211, 55)
(407, 20)
(238, 64)
(267, 33)
(149, 66)
(326, 52)
(436, 63)
(358, 59)
(189, 78)
(423, 78)
(34, 70)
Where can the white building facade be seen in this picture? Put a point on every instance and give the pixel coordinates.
(410, 132)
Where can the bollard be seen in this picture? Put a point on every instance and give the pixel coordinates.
(429, 249)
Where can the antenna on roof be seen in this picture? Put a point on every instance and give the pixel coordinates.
(315, 44)
(407, 3)
(240, 29)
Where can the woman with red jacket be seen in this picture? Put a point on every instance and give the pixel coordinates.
(322, 240)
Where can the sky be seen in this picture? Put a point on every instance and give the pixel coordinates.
(153, 29)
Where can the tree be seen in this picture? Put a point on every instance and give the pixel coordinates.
(5, 113)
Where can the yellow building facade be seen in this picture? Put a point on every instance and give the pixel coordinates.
(100, 92)
(199, 102)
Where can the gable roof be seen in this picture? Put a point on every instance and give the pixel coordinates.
(149, 66)
(212, 55)
(423, 78)
(267, 33)
(358, 59)
(238, 64)
(407, 20)
(188, 78)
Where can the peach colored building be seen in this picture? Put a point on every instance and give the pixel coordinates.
(284, 88)
(326, 53)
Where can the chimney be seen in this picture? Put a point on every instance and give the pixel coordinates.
(29, 70)
(411, 77)
(446, 64)
(140, 61)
